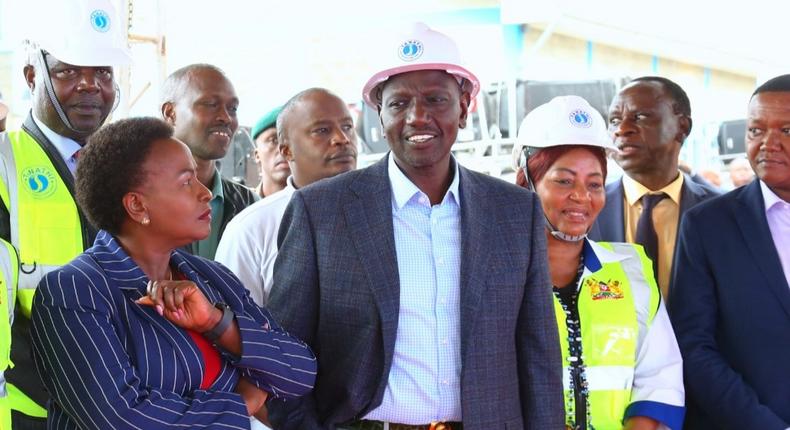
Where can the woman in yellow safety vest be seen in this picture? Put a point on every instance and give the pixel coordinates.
(621, 364)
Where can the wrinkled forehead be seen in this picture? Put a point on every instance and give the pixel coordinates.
(421, 79)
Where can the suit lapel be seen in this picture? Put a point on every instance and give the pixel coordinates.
(476, 243)
(611, 220)
(132, 281)
(757, 236)
(369, 219)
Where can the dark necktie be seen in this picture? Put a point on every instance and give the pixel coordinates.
(645, 231)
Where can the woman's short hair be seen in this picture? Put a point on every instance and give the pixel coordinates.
(111, 164)
(540, 161)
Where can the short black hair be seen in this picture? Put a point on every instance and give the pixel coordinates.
(111, 165)
(289, 106)
(778, 84)
(177, 83)
(680, 100)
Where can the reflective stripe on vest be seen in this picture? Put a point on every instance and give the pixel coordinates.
(45, 223)
(9, 267)
(617, 304)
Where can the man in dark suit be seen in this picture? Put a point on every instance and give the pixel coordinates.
(731, 295)
(199, 101)
(421, 286)
(649, 119)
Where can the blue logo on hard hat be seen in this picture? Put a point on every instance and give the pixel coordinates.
(410, 50)
(41, 181)
(100, 20)
(580, 118)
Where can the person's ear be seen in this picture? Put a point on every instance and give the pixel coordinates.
(685, 128)
(135, 206)
(466, 100)
(169, 112)
(30, 76)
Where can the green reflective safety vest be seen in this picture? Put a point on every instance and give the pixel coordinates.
(9, 268)
(610, 328)
(46, 227)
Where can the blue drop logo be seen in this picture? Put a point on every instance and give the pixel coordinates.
(100, 21)
(41, 181)
(581, 118)
(410, 50)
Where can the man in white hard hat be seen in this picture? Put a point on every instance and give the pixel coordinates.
(69, 71)
(420, 285)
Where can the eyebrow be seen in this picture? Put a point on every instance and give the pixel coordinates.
(572, 172)
(329, 121)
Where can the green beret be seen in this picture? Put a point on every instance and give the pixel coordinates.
(268, 121)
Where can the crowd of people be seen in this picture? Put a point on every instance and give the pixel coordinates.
(144, 290)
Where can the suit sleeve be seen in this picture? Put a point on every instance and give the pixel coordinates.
(86, 369)
(539, 357)
(710, 381)
(294, 302)
(270, 357)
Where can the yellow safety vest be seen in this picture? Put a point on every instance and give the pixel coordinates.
(610, 324)
(9, 268)
(45, 226)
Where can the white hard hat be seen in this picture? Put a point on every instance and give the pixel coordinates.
(420, 48)
(82, 33)
(565, 120)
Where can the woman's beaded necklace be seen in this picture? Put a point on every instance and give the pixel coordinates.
(578, 393)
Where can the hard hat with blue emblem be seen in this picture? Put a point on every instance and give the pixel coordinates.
(86, 33)
(565, 120)
(419, 48)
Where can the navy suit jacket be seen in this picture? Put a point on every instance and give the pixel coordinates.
(610, 225)
(730, 307)
(110, 363)
(336, 285)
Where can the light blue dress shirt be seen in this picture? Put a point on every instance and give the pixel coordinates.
(66, 147)
(424, 380)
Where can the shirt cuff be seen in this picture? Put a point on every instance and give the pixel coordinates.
(670, 415)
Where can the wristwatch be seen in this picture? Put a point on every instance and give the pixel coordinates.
(223, 324)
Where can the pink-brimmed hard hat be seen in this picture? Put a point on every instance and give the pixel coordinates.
(420, 48)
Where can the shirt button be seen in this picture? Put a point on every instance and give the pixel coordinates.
(446, 382)
(443, 301)
(444, 341)
(440, 261)
(423, 200)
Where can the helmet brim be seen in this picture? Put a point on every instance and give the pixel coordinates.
(369, 90)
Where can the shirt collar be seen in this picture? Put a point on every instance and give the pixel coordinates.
(65, 146)
(634, 190)
(595, 256)
(403, 189)
(289, 183)
(770, 198)
(216, 189)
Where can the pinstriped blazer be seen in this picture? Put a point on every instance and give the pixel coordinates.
(336, 285)
(110, 363)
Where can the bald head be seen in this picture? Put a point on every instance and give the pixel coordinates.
(316, 135)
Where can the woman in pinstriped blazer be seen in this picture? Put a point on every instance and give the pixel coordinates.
(136, 334)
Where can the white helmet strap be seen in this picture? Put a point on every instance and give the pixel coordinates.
(54, 98)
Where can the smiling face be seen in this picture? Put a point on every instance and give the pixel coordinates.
(572, 191)
(421, 113)
(768, 140)
(175, 201)
(647, 131)
(203, 115)
(86, 94)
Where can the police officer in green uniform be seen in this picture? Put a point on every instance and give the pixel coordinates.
(71, 78)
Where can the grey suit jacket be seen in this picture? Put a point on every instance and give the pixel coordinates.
(336, 286)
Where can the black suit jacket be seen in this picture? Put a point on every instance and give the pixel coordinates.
(336, 285)
(730, 307)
